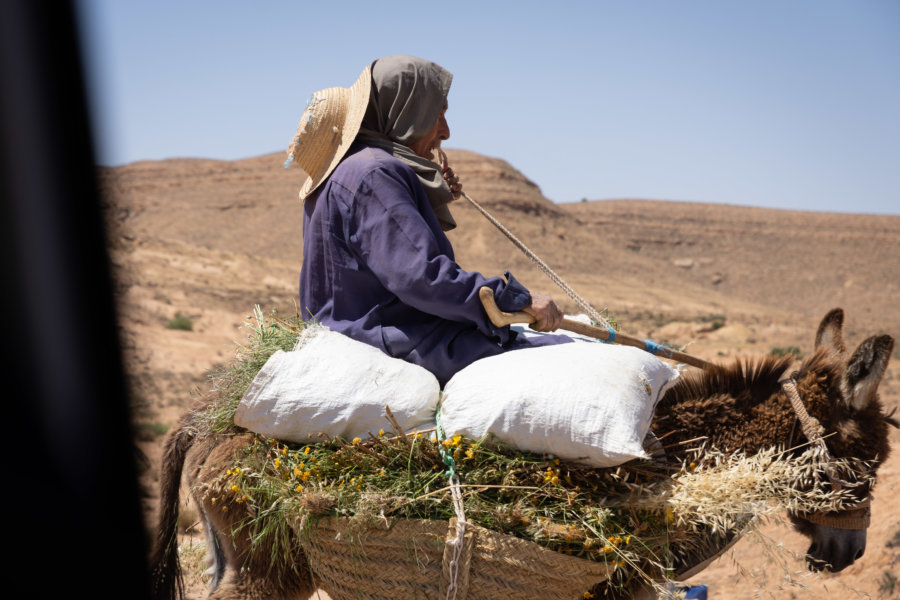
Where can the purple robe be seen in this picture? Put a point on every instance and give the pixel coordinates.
(378, 268)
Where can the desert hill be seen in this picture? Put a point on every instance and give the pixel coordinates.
(209, 239)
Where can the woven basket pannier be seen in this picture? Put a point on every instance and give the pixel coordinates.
(409, 559)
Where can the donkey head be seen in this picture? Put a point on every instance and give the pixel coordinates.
(853, 413)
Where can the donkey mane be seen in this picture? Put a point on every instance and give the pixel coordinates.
(742, 405)
(754, 378)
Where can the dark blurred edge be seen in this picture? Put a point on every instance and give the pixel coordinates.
(70, 489)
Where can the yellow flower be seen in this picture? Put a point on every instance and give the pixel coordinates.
(299, 487)
(306, 450)
(470, 453)
(235, 488)
(381, 433)
(297, 471)
(356, 440)
(554, 480)
(587, 596)
(457, 439)
(284, 451)
(627, 539)
(382, 473)
(277, 463)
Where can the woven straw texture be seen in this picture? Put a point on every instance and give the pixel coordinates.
(410, 561)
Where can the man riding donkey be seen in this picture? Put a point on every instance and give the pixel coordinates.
(377, 265)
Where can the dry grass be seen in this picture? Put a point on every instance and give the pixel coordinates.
(648, 520)
(192, 555)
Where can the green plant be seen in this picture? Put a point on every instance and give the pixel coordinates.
(712, 318)
(147, 432)
(780, 351)
(180, 322)
(894, 542)
(887, 585)
(268, 334)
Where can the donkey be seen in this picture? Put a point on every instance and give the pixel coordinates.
(745, 407)
(742, 406)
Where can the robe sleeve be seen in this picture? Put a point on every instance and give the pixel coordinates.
(393, 239)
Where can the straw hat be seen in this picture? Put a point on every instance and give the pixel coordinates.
(327, 129)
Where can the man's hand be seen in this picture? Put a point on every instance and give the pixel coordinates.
(449, 176)
(547, 315)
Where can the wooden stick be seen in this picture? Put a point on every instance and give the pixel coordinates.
(500, 318)
(397, 429)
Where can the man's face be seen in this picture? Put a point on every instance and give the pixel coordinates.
(426, 146)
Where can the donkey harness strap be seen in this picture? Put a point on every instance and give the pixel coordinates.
(858, 517)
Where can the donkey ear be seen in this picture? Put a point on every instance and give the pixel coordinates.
(829, 334)
(865, 370)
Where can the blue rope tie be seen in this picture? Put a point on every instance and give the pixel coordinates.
(655, 349)
(612, 336)
(446, 456)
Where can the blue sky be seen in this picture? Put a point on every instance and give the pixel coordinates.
(782, 104)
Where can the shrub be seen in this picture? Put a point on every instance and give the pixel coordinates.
(786, 351)
(180, 322)
(147, 432)
(888, 583)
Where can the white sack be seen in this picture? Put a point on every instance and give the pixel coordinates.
(338, 386)
(588, 402)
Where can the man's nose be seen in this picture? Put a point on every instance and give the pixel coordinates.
(444, 132)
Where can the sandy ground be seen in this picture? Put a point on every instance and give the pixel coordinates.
(210, 239)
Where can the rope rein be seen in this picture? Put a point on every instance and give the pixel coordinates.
(860, 516)
(543, 266)
(810, 425)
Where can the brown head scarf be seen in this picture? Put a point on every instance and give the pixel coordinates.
(407, 97)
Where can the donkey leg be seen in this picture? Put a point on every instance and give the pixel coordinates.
(238, 571)
(215, 555)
